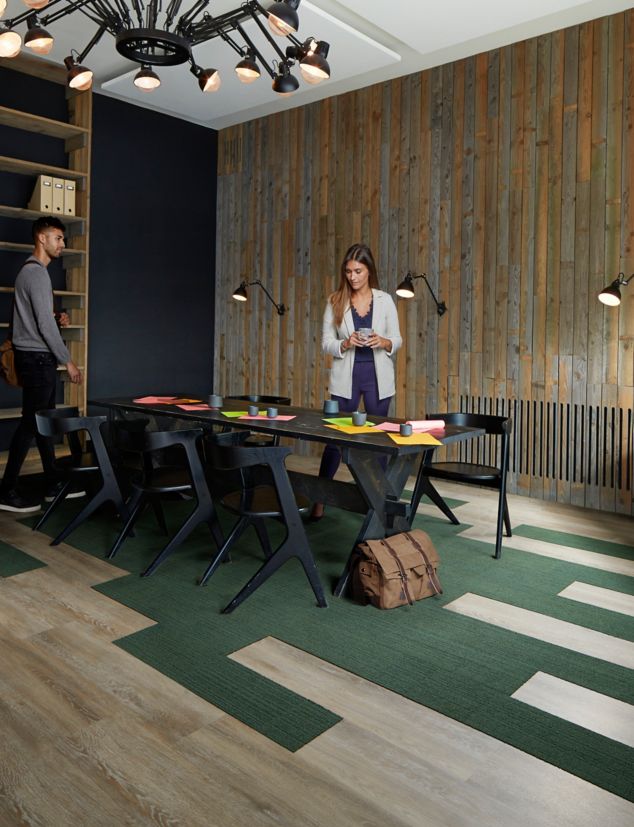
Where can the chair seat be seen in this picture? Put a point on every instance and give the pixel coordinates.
(69, 464)
(166, 479)
(263, 502)
(470, 471)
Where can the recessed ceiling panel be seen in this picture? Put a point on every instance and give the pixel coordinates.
(351, 53)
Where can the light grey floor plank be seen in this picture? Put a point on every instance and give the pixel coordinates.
(602, 598)
(542, 627)
(591, 710)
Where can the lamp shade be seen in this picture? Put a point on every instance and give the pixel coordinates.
(209, 80)
(10, 43)
(283, 19)
(284, 83)
(611, 295)
(146, 80)
(240, 293)
(247, 69)
(38, 40)
(79, 77)
(406, 288)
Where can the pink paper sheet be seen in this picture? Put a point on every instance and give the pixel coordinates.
(155, 400)
(194, 407)
(418, 425)
(272, 418)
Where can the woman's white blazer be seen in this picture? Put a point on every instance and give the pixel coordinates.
(385, 323)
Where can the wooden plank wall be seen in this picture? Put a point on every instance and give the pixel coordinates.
(506, 177)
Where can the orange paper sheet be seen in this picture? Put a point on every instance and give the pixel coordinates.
(415, 439)
(358, 430)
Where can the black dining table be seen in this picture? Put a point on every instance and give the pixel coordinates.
(379, 466)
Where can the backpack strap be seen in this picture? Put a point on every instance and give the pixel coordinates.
(401, 570)
(433, 577)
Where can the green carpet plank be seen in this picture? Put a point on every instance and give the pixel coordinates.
(13, 561)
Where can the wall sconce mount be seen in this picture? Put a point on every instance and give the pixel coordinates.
(240, 295)
(406, 291)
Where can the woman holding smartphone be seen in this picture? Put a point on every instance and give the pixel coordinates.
(361, 333)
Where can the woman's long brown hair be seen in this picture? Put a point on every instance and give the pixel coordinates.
(340, 299)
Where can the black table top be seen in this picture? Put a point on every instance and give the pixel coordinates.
(308, 424)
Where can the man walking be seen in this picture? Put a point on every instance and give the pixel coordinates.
(39, 348)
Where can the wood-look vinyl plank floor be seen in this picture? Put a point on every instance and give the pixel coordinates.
(463, 777)
(90, 736)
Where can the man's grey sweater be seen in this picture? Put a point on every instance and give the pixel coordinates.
(34, 326)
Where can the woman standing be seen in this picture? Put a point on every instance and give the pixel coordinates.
(363, 363)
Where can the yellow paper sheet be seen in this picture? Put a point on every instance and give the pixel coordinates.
(415, 439)
(359, 430)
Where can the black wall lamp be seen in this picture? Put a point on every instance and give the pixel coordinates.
(611, 295)
(240, 295)
(406, 291)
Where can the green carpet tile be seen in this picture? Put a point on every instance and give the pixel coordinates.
(562, 538)
(462, 667)
(13, 561)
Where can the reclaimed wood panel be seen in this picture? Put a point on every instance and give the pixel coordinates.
(505, 177)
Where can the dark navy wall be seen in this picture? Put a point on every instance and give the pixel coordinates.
(152, 252)
(152, 241)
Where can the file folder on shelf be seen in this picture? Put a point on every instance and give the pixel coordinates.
(58, 195)
(42, 198)
(69, 197)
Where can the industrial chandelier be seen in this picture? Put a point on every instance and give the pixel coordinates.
(152, 37)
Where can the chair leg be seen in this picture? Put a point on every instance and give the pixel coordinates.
(287, 550)
(216, 531)
(507, 519)
(160, 516)
(435, 497)
(58, 497)
(87, 510)
(263, 536)
(223, 553)
(136, 505)
(183, 532)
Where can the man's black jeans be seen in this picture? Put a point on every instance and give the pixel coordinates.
(37, 370)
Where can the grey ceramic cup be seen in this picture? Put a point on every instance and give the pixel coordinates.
(215, 400)
(405, 429)
(271, 413)
(331, 406)
(359, 418)
(253, 410)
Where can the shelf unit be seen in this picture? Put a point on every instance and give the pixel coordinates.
(77, 135)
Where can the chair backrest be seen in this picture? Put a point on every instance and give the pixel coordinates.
(487, 450)
(58, 421)
(232, 457)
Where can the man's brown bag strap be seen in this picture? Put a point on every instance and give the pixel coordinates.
(433, 577)
(402, 571)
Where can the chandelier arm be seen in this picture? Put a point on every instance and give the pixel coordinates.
(257, 52)
(253, 9)
(93, 42)
(171, 12)
(104, 14)
(20, 18)
(186, 20)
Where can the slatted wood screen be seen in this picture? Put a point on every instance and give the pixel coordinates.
(507, 178)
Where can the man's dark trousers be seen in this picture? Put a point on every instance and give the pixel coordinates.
(37, 370)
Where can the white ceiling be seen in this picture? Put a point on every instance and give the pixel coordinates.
(370, 41)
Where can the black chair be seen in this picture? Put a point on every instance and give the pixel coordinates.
(257, 500)
(485, 463)
(83, 465)
(159, 481)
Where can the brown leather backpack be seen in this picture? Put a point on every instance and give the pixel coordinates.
(7, 364)
(396, 571)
